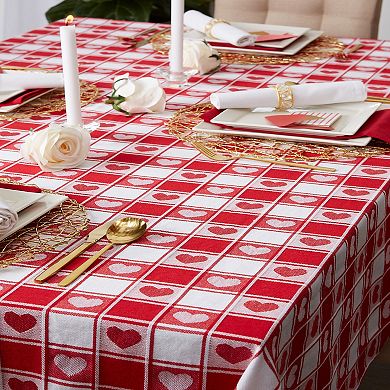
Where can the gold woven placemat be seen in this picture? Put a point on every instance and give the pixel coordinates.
(53, 229)
(51, 102)
(322, 47)
(182, 123)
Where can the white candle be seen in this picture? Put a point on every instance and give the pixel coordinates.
(176, 51)
(71, 73)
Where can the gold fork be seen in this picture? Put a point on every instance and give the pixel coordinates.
(222, 157)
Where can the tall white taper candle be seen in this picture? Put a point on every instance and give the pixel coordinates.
(71, 73)
(177, 26)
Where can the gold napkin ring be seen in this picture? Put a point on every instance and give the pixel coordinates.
(285, 97)
(209, 26)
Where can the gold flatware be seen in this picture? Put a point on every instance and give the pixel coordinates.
(94, 236)
(132, 38)
(342, 56)
(122, 231)
(222, 157)
(378, 99)
(147, 40)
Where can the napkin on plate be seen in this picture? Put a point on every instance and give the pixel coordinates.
(223, 31)
(310, 94)
(8, 218)
(12, 80)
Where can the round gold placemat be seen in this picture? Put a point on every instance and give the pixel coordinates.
(55, 228)
(182, 123)
(51, 102)
(322, 47)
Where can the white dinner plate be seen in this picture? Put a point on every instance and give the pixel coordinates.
(36, 210)
(215, 129)
(353, 116)
(19, 200)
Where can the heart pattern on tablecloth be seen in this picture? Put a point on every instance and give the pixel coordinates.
(85, 187)
(192, 213)
(254, 250)
(175, 381)
(140, 182)
(352, 192)
(260, 307)
(168, 163)
(310, 241)
(273, 184)
(189, 318)
(188, 258)
(249, 206)
(221, 281)
(70, 366)
(83, 302)
(160, 239)
(323, 178)
(20, 322)
(152, 291)
(123, 338)
(117, 167)
(220, 190)
(233, 355)
(277, 223)
(288, 272)
(17, 384)
(108, 203)
(192, 175)
(121, 268)
(373, 171)
(222, 231)
(165, 197)
(303, 199)
(245, 170)
(335, 216)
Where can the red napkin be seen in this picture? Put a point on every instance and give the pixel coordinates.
(19, 187)
(274, 37)
(23, 96)
(377, 126)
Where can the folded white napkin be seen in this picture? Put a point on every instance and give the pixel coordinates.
(222, 31)
(8, 218)
(310, 94)
(14, 80)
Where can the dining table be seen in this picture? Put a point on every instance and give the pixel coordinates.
(250, 276)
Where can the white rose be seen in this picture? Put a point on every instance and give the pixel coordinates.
(198, 54)
(137, 96)
(57, 147)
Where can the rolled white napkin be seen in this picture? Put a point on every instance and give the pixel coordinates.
(222, 31)
(310, 94)
(8, 218)
(14, 80)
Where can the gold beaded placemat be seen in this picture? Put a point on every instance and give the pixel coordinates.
(48, 232)
(182, 123)
(51, 102)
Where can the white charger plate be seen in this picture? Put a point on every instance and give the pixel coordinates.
(36, 210)
(353, 116)
(15, 106)
(5, 95)
(19, 200)
(215, 129)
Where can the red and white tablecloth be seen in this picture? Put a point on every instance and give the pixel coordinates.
(251, 275)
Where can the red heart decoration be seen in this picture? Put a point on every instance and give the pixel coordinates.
(356, 192)
(146, 148)
(258, 306)
(116, 167)
(191, 175)
(233, 355)
(152, 291)
(335, 216)
(270, 183)
(315, 241)
(17, 384)
(123, 338)
(161, 196)
(371, 171)
(220, 231)
(21, 323)
(84, 187)
(249, 206)
(283, 120)
(289, 272)
(188, 259)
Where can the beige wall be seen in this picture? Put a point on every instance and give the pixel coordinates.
(384, 24)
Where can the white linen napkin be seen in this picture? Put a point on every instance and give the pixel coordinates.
(222, 31)
(310, 94)
(8, 218)
(12, 80)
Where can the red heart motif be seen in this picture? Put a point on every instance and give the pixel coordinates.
(123, 338)
(116, 167)
(258, 306)
(152, 291)
(141, 148)
(315, 241)
(21, 323)
(270, 183)
(161, 196)
(356, 192)
(371, 171)
(84, 187)
(188, 259)
(17, 384)
(290, 272)
(336, 216)
(6, 133)
(191, 175)
(220, 231)
(249, 206)
(233, 355)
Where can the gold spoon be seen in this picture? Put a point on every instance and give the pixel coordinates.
(122, 231)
